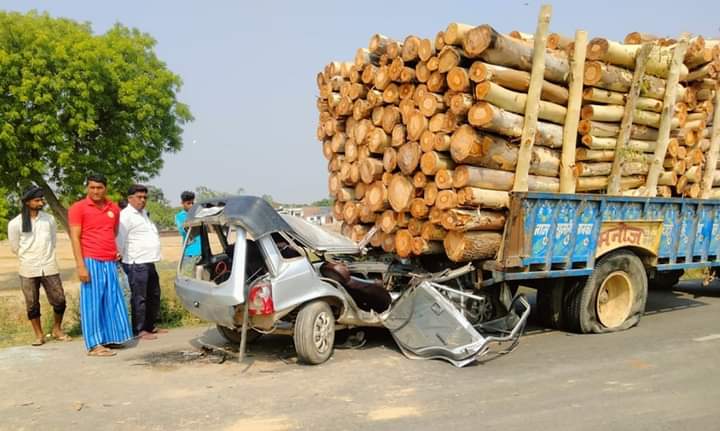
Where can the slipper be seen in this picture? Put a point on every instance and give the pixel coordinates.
(101, 352)
(63, 337)
(38, 342)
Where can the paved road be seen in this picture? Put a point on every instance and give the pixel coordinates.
(663, 374)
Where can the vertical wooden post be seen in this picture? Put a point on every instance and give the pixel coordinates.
(532, 105)
(572, 118)
(666, 117)
(627, 119)
(712, 158)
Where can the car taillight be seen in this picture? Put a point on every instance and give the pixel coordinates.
(260, 302)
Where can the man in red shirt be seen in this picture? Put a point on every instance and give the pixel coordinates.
(93, 226)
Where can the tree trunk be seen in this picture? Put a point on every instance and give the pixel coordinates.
(516, 80)
(611, 130)
(484, 198)
(595, 143)
(377, 197)
(446, 199)
(658, 62)
(586, 184)
(58, 209)
(469, 246)
(403, 243)
(490, 117)
(458, 79)
(466, 220)
(444, 179)
(430, 193)
(371, 170)
(400, 193)
(494, 179)
(461, 103)
(615, 78)
(485, 43)
(515, 102)
(432, 232)
(422, 246)
(408, 157)
(433, 161)
(470, 147)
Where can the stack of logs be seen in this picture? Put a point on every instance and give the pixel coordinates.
(422, 135)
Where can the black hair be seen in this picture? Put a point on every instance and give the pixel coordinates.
(136, 188)
(96, 178)
(187, 196)
(123, 204)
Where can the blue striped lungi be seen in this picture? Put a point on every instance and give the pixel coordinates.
(103, 313)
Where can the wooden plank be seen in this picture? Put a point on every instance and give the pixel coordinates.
(572, 118)
(712, 156)
(527, 139)
(627, 120)
(656, 167)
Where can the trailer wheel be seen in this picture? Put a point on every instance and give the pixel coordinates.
(235, 336)
(665, 280)
(613, 298)
(551, 301)
(314, 333)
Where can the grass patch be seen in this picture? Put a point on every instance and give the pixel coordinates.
(15, 329)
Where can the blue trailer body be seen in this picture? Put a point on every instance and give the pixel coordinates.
(551, 235)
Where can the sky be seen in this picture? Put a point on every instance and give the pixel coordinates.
(249, 68)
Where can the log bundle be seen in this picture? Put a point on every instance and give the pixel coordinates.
(422, 135)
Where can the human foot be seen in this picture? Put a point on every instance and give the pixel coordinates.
(145, 335)
(100, 351)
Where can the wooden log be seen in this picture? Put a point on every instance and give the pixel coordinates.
(378, 141)
(517, 80)
(377, 239)
(446, 199)
(468, 146)
(432, 232)
(614, 113)
(338, 210)
(693, 174)
(448, 58)
(455, 33)
(360, 190)
(442, 142)
(596, 143)
(408, 157)
(444, 179)
(490, 117)
(443, 122)
(388, 244)
(615, 78)
(611, 130)
(427, 141)
(469, 246)
(467, 220)
(586, 184)
(484, 198)
(400, 192)
(640, 62)
(658, 62)
(351, 212)
(516, 102)
(570, 126)
(418, 209)
(410, 48)
(667, 116)
(419, 180)
(422, 246)
(416, 125)
(712, 155)
(398, 135)
(415, 227)
(433, 161)
(431, 104)
(559, 42)
(485, 43)
(458, 79)
(388, 221)
(390, 160)
(592, 94)
(377, 197)
(494, 179)
(426, 49)
(422, 72)
(371, 170)
(430, 193)
(664, 191)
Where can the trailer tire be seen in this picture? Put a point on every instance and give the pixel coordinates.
(234, 336)
(314, 334)
(613, 298)
(665, 280)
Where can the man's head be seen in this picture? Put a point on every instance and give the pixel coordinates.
(137, 196)
(96, 187)
(187, 199)
(33, 198)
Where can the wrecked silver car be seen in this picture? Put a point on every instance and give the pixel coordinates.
(262, 272)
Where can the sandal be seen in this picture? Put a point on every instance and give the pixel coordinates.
(63, 337)
(38, 342)
(101, 351)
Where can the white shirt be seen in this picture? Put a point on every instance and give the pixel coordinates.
(137, 240)
(36, 249)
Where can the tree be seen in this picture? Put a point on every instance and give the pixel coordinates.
(203, 193)
(74, 103)
(159, 208)
(7, 211)
(327, 202)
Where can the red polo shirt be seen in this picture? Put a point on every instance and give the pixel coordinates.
(98, 225)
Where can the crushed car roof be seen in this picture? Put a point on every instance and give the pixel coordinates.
(259, 218)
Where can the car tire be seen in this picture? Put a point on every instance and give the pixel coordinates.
(314, 334)
(234, 336)
(613, 298)
(552, 301)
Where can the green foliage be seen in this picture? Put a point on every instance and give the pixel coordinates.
(72, 103)
(205, 193)
(159, 208)
(323, 203)
(9, 208)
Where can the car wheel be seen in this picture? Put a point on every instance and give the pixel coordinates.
(314, 333)
(613, 298)
(666, 280)
(235, 335)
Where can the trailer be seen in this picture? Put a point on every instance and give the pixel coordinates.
(591, 257)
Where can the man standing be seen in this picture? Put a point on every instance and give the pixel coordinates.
(187, 200)
(93, 226)
(138, 242)
(32, 237)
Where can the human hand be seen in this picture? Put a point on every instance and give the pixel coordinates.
(83, 274)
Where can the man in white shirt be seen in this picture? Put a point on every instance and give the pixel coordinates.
(32, 237)
(138, 243)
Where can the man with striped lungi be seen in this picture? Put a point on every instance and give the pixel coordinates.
(93, 226)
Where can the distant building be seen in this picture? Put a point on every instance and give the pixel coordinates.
(316, 215)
